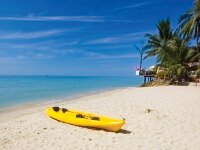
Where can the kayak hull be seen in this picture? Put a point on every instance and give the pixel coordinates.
(85, 119)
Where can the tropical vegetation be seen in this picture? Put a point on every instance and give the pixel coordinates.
(172, 48)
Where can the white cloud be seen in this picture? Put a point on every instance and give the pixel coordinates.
(32, 35)
(11, 59)
(127, 21)
(43, 46)
(20, 58)
(81, 54)
(103, 56)
(89, 55)
(118, 39)
(32, 17)
(42, 56)
(136, 5)
(76, 51)
(55, 18)
(115, 46)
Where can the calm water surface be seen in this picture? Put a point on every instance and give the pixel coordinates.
(24, 89)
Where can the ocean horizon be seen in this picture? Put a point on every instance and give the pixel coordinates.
(22, 89)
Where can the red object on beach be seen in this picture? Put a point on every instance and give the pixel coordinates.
(197, 80)
(137, 68)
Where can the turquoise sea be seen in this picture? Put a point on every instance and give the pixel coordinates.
(15, 90)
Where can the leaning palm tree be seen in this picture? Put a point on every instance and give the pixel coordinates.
(158, 43)
(189, 24)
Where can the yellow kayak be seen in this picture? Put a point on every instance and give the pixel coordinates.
(85, 119)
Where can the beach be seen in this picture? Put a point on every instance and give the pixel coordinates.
(156, 118)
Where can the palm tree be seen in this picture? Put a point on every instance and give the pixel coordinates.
(180, 54)
(176, 58)
(158, 43)
(193, 55)
(179, 51)
(189, 24)
(171, 49)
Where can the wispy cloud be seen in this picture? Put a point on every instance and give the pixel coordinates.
(136, 5)
(77, 51)
(126, 21)
(16, 52)
(44, 45)
(103, 56)
(24, 57)
(114, 46)
(56, 18)
(11, 59)
(95, 19)
(90, 55)
(55, 52)
(32, 35)
(117, 39)
(41, 56)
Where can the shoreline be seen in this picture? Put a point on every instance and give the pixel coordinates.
(61, 98)
(31, 107)
(156, 118)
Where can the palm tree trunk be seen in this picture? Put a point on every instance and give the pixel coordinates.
(141, 56)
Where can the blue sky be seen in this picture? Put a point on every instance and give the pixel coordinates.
(79, 37)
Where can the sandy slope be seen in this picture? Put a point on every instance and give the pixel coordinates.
(156, 118)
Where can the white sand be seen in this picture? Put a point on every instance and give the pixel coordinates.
(173, 123)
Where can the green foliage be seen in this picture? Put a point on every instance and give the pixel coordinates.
(172, 49)
(169, 48)
(178, 71)
(189, 27)
(160, 75)
(197, 73)
(181, 72)
(157, 44)
(165, 74)
(189, 22)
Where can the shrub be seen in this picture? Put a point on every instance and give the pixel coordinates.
(181, 72)
(163, 74)
(160, 75)
(197, 73)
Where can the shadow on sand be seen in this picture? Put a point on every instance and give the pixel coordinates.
(124, 131)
